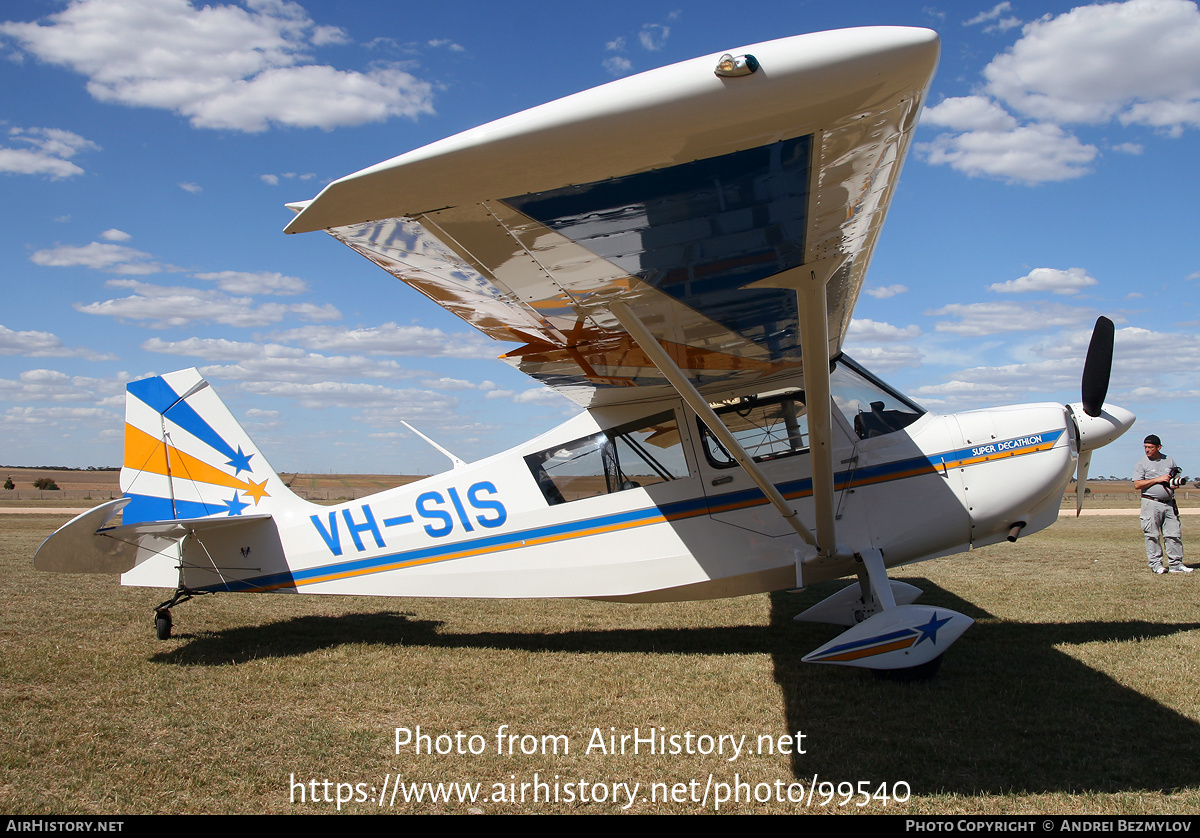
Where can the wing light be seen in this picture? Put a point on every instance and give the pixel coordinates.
(736, 65)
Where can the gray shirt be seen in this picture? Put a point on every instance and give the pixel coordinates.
(1147, 469)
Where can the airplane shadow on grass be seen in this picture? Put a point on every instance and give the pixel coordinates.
(1008, 713)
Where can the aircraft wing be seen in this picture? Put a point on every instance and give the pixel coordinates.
(672, 192)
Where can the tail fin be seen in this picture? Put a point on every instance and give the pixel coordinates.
(187, 457)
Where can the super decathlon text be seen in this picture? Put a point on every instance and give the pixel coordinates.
(1006, 445)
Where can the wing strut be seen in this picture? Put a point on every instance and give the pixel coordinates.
(650, 345)
(809, 282)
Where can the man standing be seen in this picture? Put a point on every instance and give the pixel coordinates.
(1152, 477)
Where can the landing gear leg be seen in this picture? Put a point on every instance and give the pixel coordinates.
(162, 612)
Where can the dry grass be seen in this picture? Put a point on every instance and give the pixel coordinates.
(1074, 693)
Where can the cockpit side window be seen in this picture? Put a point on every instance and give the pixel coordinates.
(632, 456)
(767, 427)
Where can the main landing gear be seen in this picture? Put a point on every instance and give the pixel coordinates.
(899, 641)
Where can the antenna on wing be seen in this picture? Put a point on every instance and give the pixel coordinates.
(457, 462)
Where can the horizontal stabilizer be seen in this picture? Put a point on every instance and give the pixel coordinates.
(75, 547)
(181, 527)
(899, 638)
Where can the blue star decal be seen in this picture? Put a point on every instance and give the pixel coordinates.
(929, 630)
(235, 506)
(240, 462)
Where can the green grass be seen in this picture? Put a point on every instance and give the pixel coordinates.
(1073, 693)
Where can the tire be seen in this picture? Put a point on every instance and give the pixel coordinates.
(162, 624)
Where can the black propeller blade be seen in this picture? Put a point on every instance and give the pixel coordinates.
(1098, 366)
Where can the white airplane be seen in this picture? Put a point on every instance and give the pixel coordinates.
(669, 250)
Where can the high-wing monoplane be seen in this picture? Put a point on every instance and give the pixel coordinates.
(679, 252)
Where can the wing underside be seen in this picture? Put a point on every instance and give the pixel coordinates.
(678, 243)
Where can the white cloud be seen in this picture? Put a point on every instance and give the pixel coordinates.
(221, 66)
(1138, 374)
(113, 258)
(273, 179)
(1028, 154)
(616, 45)
(275, 362)
(382, 405)
(969, 113)
(44, 385)
(326, 35)
(56, 415)
(998, 318)
(654, 36)
(882, 346)
(115, 235)
(991, 14)
(1056, 281)
(169, 306)
(995, 19)
(390, 339)
(1138, 62)
(883, 292)
(873, 331)
(455, 384)
(546, 396)
(43, 151)
(262, 282)
(194, 188)
(33, 344)
(618, 65)
(885, 358)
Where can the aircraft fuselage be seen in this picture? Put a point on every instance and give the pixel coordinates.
(638, 503)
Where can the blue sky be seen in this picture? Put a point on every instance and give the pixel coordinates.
(147, 148)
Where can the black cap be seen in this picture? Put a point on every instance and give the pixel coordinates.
(1153, 440)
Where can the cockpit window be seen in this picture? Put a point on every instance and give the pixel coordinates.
(632, 456)
(870, 406)
(767, 426)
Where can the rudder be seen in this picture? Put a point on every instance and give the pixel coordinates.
(187, 457)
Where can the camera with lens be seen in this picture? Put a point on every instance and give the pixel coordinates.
(1177, 478)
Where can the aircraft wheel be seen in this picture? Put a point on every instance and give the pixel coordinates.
(908, 674)
(162, 624)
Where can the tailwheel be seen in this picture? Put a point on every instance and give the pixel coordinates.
(162, 612)
(162, 624)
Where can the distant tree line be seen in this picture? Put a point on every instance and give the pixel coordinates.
(43, 483)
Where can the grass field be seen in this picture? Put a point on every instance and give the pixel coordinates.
(1075, 692)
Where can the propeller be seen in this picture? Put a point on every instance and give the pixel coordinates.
(1097, 368)
(1098, 424)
